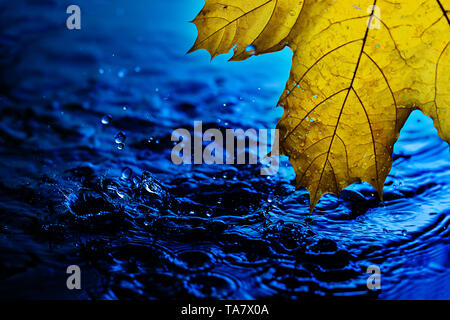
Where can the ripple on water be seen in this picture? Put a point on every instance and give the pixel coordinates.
(211, 285)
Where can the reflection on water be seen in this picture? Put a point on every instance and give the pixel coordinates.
(85, 124)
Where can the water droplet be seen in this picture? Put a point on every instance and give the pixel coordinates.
(250, 49)
(404, 233)
(120, 137)
(136, 181)
(121, 73)
(151, 185)
(120, 146)
(106, 119)
(126, 173)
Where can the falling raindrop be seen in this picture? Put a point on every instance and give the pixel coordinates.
(121, 73)
(106, 119)
(120, 137)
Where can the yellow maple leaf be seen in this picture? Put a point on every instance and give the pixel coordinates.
(359, 68)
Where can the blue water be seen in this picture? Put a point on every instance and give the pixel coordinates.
(141, 227)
